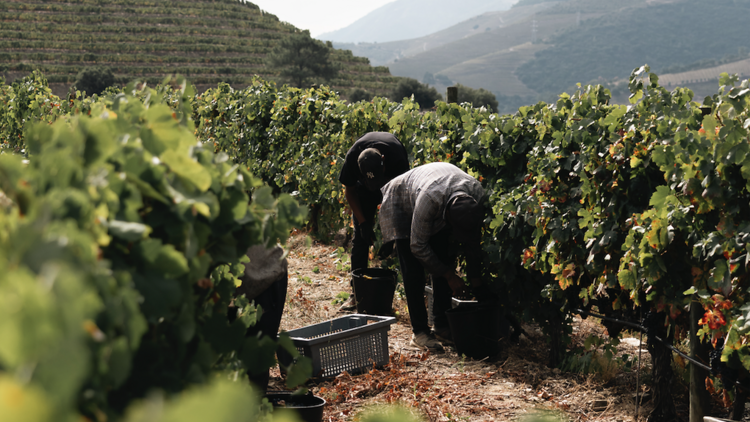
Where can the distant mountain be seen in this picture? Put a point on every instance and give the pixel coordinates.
(406, 19)
(539, 49)
(489, 26)
(661, 34)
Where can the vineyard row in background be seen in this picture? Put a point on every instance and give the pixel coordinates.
(146, 40)
(638, 209)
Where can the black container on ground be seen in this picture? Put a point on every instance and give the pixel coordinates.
(477, 329)
(308, 407)
(373, 290)
(455, 302)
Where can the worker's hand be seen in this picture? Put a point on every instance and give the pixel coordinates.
(386, 249)
(483, 294)
(456, 284)
(365, 232)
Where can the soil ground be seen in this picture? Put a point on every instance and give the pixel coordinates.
(450, 387)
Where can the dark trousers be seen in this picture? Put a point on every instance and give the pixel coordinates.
(413, 274)
(272, 301)
(368, 202)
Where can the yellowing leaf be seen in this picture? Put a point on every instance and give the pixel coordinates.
(22, 403)
(202, 209)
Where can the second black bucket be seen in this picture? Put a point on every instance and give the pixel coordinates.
(308, 408)
(477, 329)
(373, 290)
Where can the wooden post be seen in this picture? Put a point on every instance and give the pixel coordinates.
(700, 401)
(452, 94)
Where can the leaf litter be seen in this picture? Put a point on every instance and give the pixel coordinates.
(447, 386)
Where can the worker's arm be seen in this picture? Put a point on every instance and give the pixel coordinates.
(456, 283)
(353, 200)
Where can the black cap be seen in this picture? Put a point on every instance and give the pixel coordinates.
(465, 215)
(372, 168)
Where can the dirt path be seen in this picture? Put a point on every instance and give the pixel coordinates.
(446, 386)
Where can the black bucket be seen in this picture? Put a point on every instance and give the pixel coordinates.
(373, 290)
(309, 408)
(477, 329)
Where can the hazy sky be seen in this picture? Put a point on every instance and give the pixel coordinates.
(319, 16)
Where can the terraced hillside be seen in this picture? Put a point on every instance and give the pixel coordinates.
(209, 41)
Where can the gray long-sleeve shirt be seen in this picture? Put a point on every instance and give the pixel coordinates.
(414, 207)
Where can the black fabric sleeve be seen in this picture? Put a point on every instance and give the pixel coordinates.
(350, 171)
(397, 162)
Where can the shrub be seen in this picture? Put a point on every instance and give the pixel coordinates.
(358, 94)
(477, 97)
(424, 95)
(94, 80)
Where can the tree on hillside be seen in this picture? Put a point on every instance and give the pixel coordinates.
(359, 94)
(424, 95)
(477, 97)
(302, 60)
(94, 80)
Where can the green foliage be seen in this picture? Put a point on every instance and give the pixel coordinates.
(340, 298)
(477, 97)
(121, 241)
(302, 60)
(94, 80)
(294, 140)
(422, 94)
(219, 401)
(597, 356)
(27, 100)
(624, 208)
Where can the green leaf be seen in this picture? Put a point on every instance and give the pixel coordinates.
(223, 336)
(188, 169)
(627, 279)
(171, 262)
(164, 133)
(720, 278)
(299, 372)
(160, 296)
(258, 354)
(145, 188)
(128, 231)
(709, 125)
(119, 360)
(635, 97)
(613, 118)
(235, 205)
(263, 198)
(660, 197)
(221, 400)
(743, 322)
(204, 203)
(100, 144)
(287, 344)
